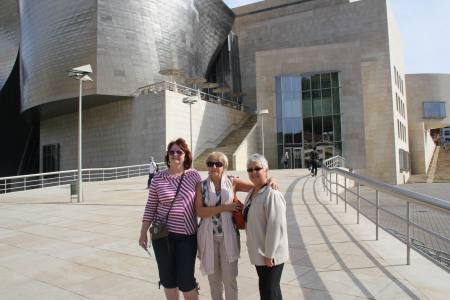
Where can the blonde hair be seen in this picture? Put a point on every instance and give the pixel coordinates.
(218, 156)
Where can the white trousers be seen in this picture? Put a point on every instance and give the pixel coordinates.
(225, 273)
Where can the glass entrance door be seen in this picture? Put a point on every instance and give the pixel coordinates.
(296, 158)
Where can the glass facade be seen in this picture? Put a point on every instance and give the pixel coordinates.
(308, 115)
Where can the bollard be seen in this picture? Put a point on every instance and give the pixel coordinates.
(73, 190)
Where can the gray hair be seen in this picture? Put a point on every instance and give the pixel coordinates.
(256, 157)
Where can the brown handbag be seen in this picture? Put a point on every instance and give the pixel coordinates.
(238, 217)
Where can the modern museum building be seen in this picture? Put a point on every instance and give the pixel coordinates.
(276, 76)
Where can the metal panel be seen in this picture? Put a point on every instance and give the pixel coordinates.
(9, 38)
(126, 42)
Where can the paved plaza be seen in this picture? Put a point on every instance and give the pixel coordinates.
(51, 248)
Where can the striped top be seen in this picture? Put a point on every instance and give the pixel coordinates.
(182, 218)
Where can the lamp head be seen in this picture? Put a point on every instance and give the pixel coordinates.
(262, 112)
(80, 72)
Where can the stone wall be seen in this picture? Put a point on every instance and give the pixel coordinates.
(420, 88)
(128, 132)
(345, 58)
(304, 37)
(248, 146)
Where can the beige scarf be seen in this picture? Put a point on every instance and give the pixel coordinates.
(205, 236)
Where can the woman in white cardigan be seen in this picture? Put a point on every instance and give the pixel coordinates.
(217, 237)
(266, 228)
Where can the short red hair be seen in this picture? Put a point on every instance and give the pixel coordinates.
(180, 142)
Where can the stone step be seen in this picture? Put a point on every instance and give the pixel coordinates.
(228, 146)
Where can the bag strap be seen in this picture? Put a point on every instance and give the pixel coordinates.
(176, 194)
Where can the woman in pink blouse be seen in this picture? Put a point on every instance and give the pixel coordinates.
(175, 258)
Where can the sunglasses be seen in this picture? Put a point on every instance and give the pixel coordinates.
(211, 164)
(176, 152)
(257, 169)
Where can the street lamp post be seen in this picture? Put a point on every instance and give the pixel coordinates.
(80, 74)
(261, 113)
(190, 101)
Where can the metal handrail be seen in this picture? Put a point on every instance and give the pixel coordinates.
(41, 180)
(172, 86)
(335, 165)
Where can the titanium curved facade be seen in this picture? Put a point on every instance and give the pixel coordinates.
(126, 42)
(9, 38)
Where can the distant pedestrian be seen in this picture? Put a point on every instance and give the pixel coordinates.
(286, 160)
(152, 171)
(314, 155)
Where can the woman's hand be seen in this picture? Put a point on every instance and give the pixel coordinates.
(269, 262)
(143, 240)
(272, 183)
(235, 206)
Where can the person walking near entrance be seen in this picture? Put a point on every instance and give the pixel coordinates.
(286, 160)
(152, 171)
(314, 161)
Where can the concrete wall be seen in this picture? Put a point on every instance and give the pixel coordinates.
(120, 133)
(430, 146)
(346, 58)
(284, 31)
(248, 146)
(210, 122)
(129, 132)
(398, 101)
(420, 88)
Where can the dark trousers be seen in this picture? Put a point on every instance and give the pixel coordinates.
(314, 167)
(269, 282)
(175, 257)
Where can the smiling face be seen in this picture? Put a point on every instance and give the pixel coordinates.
(216, 163)
(215, 168)
(176, 156)
(256, 173)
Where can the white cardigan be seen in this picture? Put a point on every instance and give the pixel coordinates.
(266, 227)
(205, 237)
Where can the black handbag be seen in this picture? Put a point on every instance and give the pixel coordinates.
(160, 230)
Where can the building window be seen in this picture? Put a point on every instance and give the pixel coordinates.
(403, 160)
(308, 115)
(434, 110)
(50, 158)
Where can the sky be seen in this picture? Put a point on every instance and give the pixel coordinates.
(425, 30)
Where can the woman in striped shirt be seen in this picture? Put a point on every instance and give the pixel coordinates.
(175, 259)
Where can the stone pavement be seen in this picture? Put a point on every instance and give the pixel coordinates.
(52, 249)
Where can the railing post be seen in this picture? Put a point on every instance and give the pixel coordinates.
(59, 179)
(89, 176)
(116, 173)
(377, 214)
(408, 235)
(128, 169)
(42, 181)
(24, 183)
(358, 202)
(345, 193)
(330, 188)
(103, 175)
(337, 189)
